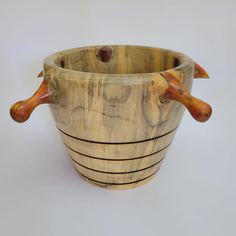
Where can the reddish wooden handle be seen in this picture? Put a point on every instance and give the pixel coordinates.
(21, 111)
(199, 110)
(199, 72)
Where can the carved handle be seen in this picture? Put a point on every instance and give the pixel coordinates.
(21, 111)
(199, 72)
(199, 110)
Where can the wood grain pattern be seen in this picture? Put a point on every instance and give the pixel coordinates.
(117, 101)
(111, 108)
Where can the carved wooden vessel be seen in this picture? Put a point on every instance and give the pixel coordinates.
(117, 108)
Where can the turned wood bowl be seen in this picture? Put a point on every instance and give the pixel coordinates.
(117, 108)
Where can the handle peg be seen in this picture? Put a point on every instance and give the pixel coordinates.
(200, 110)
(21, 111)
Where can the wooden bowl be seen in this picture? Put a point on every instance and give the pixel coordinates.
(117, 108)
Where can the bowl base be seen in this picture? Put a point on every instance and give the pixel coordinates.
(118, 186)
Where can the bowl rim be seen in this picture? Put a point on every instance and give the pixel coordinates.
(51, 65)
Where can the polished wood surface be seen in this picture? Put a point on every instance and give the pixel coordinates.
(200, 111)
(21, 111)
(118, 107)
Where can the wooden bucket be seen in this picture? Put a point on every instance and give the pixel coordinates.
(117, 108)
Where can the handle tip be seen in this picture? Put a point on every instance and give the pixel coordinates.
(200, 110)
(18, 113)
(40, 74)
(199, 72)
(21, 111)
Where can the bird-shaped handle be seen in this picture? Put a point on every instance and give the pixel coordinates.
(200, 110)
(21, 111)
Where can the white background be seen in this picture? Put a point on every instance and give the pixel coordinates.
(195, 190)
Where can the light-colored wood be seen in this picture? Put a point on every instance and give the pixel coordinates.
(118, 151)
(113, 186)
(112, 107)
(113, 164)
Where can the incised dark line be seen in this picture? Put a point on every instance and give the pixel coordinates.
(117, 143)
(106, 172)
(133, 182)
(126, 159)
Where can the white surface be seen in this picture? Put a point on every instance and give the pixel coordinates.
(194, 191)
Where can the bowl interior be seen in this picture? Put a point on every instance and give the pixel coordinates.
(118, 59)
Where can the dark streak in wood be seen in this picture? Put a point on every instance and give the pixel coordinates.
(62, 63)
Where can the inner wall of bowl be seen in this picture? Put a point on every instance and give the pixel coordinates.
(118, 59)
